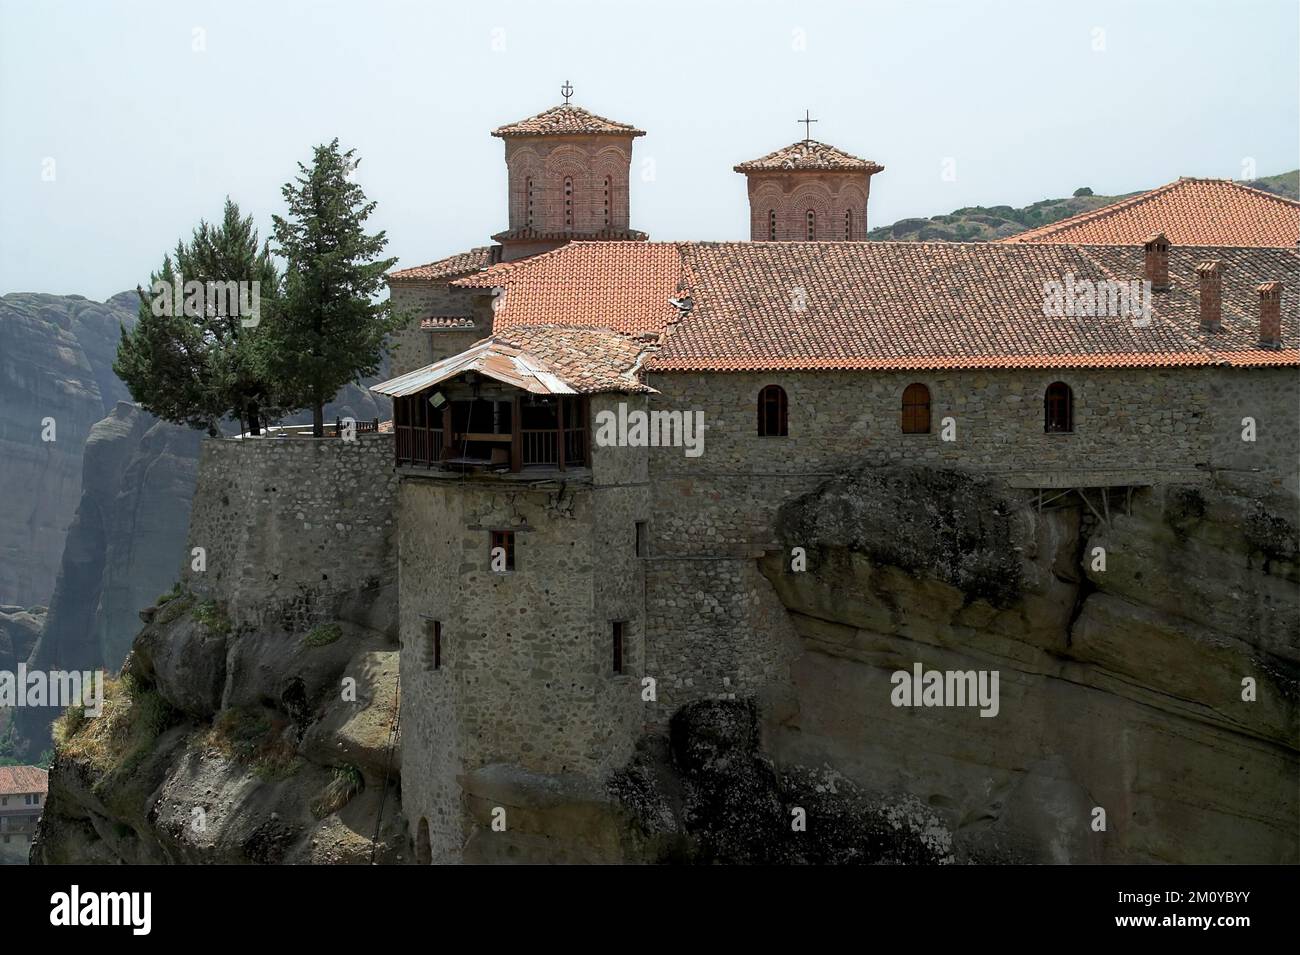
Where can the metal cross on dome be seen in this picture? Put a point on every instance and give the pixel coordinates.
(567, 90)
(807, 129)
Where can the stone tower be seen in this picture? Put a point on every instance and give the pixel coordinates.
(568, 173)
(808, 191)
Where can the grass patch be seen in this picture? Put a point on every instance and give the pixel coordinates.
(338, 792)
(170, 595)
(211, 616)
(122, 736)
(256, 738)
(323, 635)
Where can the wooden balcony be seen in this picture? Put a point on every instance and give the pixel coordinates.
(428, 439)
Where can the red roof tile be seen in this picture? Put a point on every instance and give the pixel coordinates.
(624, 286)
(1217, 212)
(451, 322)
(462, 263)
(19, 780)
(567, 120)
(810, 155)
(889, 305)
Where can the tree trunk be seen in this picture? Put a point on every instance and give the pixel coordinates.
(254, 420)
(318, 419)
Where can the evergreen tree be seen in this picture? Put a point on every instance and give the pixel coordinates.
(191, 359)
(328, 329)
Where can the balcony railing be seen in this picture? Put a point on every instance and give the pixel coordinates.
(421, 445)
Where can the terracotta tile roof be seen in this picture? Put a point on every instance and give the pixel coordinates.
(19, 780)
(620, 285)
(451, 322)
(462, 263)
(591, 360)
(566, 120)
(616, 235)
(890, 305)
(809, 154)
(1217, 212)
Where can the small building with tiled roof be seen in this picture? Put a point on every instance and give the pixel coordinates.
(808, 191)
(1190, 212)
(23, 790)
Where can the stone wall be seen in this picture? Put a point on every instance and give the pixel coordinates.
(414, 347)
(289, 525)
(715, 628)
(526, 672)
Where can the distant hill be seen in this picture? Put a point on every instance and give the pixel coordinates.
(987, 223)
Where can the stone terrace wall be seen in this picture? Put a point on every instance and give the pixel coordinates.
(289, 524)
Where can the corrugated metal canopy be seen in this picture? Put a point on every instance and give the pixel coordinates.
(495, 360)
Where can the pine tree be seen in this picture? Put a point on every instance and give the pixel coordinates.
(328, 329)
(199, 363)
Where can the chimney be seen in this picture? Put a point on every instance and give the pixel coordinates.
(1211, 276)
(1155, 267)
(1270, 315)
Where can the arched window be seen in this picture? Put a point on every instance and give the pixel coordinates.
(530, 201)
(568, 203)
(916, 409)
(848, 225)
(772, 412)
(812, 225)
(1058, 408)
(771, 224)
(607, 202)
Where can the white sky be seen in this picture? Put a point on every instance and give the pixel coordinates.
(148, 135)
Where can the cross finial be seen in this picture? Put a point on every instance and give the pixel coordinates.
(567, 90)
(807, 128)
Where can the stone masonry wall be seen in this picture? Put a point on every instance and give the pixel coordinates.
(715, 628)
(413, 347)
(526, 666)
(290, 523)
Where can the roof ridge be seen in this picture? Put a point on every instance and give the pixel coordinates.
(1092, 214)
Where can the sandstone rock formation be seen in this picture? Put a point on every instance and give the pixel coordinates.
(234, 745)
(1121, 687)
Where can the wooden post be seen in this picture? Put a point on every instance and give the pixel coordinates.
(559, 438)
(448, 439)
(516, 438)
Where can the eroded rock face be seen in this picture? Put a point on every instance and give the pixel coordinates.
(56, 354)
(230, 745)
(1120, 688)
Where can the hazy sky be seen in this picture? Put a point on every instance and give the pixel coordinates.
(150, 124)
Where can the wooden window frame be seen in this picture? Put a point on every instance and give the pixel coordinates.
(1057, 396)
(916, 421)
(506, 539)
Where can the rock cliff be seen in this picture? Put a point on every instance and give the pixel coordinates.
(56, 356)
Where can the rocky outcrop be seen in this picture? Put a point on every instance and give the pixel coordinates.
(1122, 648)
(236, 745)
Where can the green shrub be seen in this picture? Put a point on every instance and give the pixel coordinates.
(323, 635)
(210, 614)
